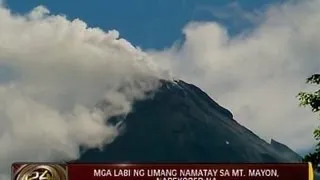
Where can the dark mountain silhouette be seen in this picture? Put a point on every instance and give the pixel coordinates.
(181, 123)
(285, 150)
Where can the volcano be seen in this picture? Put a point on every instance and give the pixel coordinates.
(181, 123)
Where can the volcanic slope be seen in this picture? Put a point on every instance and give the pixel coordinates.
(181, 123)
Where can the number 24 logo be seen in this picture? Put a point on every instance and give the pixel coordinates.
(40, 176)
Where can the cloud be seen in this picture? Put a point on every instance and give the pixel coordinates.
(233, 12)
(56, 71)
(256, 74)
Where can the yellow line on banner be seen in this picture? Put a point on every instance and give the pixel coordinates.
(311, 173)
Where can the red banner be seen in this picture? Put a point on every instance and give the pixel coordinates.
(162, 171)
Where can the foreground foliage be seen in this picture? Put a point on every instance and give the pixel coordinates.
(312, 100)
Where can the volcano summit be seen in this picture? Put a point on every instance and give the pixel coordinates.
(181, 123)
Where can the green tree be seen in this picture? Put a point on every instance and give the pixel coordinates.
(312, 100)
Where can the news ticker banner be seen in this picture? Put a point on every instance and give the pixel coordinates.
(38, 171)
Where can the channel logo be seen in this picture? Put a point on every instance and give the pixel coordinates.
(36, 171)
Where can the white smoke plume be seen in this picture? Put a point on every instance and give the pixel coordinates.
(54, 71)
(258, 73)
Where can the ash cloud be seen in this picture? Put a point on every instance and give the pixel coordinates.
(56, 71)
